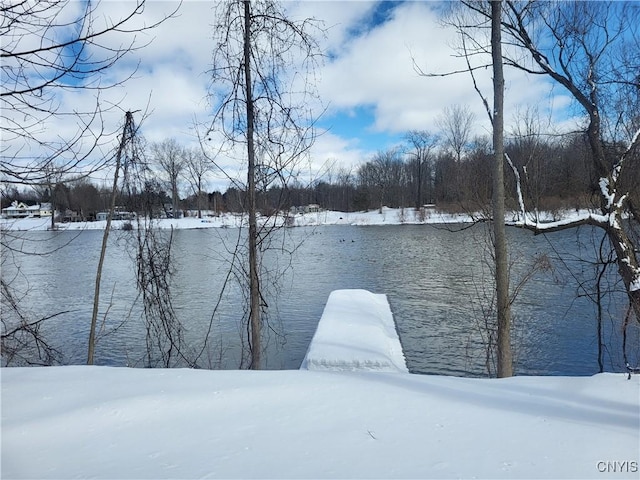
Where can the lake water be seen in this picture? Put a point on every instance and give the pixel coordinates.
(437, 282)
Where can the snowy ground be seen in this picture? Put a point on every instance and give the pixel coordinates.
(388, 216)
(101, 422)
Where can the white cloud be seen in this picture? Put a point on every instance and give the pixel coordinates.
(372, 68)
(379, 69)
(338, 18)
(330, 149)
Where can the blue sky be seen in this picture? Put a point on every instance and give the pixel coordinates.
(370, 90)
(358, 125)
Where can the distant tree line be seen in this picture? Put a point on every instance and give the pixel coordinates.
(558, 173)
(452, 171)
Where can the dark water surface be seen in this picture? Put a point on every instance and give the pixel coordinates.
(438, 283)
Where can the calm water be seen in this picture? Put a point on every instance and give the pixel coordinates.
(437, 283)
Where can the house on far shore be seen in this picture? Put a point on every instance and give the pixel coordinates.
(45, 210)
(21, 210)
(117, 215)
(311, 208)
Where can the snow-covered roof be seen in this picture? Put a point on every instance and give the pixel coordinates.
(18, 206)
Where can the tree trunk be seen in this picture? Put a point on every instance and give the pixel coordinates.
(419, 192)
(105, 238)
(625, 249)
(626, 260)
(505, 360)
(174, 194)
(53, 211)
(254, 285)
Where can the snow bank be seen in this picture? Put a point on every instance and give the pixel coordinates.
(356, 332)
(189, 223)
(386, 216)
(102, 422)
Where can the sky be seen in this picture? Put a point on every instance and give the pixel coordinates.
(369, 86)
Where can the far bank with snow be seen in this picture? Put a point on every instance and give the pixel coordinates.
(384, 216)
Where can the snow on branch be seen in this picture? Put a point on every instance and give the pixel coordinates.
(588, 218)
(618, 166)
(518, 186)
(634, 141)
(608, 184)
(606, 189)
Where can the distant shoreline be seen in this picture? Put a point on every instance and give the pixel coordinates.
(388, 216)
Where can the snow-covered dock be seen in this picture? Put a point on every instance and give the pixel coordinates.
(356, 333)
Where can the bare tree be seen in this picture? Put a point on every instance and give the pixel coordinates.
(52, 48)
(22, 339)
(170, 157)
(260, 94)
(383, 177)
(345, 184)
(152, 254)
(126, 153)
(421, 143)
(165, 345)
(151, 250)
(591, 50)
(197, 165)
(456, 125)
(85, 198)
(52, 53)
(531, 154)
(52, 182)
(503, 305)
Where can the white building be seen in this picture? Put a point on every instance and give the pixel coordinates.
(22, 210)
